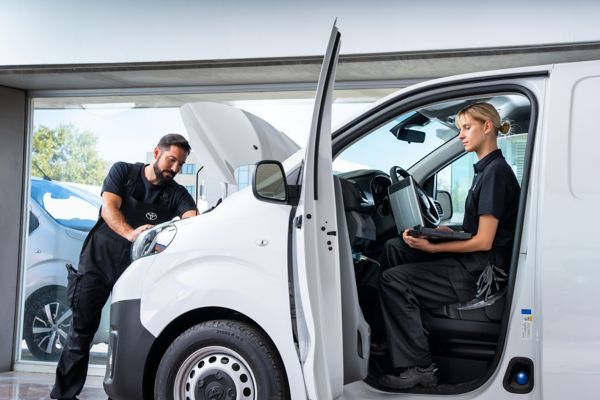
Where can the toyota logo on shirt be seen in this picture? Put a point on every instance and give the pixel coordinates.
(150, 216)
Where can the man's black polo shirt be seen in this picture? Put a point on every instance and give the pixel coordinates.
(495, 190)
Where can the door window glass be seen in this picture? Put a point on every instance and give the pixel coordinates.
(456, 178)
(429, 133)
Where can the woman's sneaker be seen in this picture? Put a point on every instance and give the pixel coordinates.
(411, 377)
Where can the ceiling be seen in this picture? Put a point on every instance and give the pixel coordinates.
(358, 75)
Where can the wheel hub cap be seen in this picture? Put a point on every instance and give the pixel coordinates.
(215, 385)
(215, 373)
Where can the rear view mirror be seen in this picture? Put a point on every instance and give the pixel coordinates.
(269, 183)
(402, 131)
(409, 135)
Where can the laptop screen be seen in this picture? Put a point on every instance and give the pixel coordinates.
(405, 204)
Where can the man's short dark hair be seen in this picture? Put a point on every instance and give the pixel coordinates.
(174, 139)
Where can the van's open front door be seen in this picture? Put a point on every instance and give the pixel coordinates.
(318, 295)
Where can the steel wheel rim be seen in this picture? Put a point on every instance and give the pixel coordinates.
(204, 365)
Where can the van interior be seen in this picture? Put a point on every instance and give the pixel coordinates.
(465, 343)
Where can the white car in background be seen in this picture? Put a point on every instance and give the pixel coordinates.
(61, 215)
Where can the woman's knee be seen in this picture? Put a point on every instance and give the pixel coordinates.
(396, 276)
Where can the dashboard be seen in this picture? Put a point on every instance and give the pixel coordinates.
(371, 186)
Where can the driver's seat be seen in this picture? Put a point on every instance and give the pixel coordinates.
(466, 330)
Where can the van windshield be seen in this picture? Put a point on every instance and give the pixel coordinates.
(383, 147)
(71, 207)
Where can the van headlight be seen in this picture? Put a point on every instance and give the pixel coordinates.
(153, 241)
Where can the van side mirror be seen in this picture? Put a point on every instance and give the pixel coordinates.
(269, 183)
(34, 222)
(445, 201)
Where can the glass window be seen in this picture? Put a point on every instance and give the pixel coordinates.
(456, 178)
(68, 205)
(75, 141)
(406, 139)
(188, 169)
(402, 141)
(244, 176)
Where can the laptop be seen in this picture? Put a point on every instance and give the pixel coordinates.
(407, 213)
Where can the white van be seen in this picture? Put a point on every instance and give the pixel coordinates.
(261, 297)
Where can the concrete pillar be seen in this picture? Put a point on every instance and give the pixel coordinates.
(13, 112)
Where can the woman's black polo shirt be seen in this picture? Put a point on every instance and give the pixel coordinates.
(495, 190)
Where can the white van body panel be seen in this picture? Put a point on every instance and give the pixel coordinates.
(226, 137)
(219, 259)
(568, 241)
(554, 319)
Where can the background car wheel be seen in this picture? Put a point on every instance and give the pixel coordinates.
(46, 322)
(220, 360)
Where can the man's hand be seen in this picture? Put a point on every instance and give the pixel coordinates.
(189, 214)
(134, 233)
(111, 213)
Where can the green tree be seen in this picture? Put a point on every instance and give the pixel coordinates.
(67, 154)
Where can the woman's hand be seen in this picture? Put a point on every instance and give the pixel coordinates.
(419, 243)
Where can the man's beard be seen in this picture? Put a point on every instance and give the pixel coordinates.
(162, 176)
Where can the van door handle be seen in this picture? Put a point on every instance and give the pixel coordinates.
(298, 222)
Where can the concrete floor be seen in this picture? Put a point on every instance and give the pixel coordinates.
(37, 386)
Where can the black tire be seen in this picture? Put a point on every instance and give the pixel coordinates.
(46, 322)
(224, 357)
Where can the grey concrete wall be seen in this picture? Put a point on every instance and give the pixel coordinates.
(12, 164)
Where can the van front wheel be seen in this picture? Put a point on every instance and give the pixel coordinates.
(220, 359)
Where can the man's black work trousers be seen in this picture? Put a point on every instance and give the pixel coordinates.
(104, 257)
(89, 295)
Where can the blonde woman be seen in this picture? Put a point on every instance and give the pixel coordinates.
(425, 275)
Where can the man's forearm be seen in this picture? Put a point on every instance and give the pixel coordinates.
(116, 221)
(189, 214)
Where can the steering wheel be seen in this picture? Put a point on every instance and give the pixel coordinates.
(428, 209)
